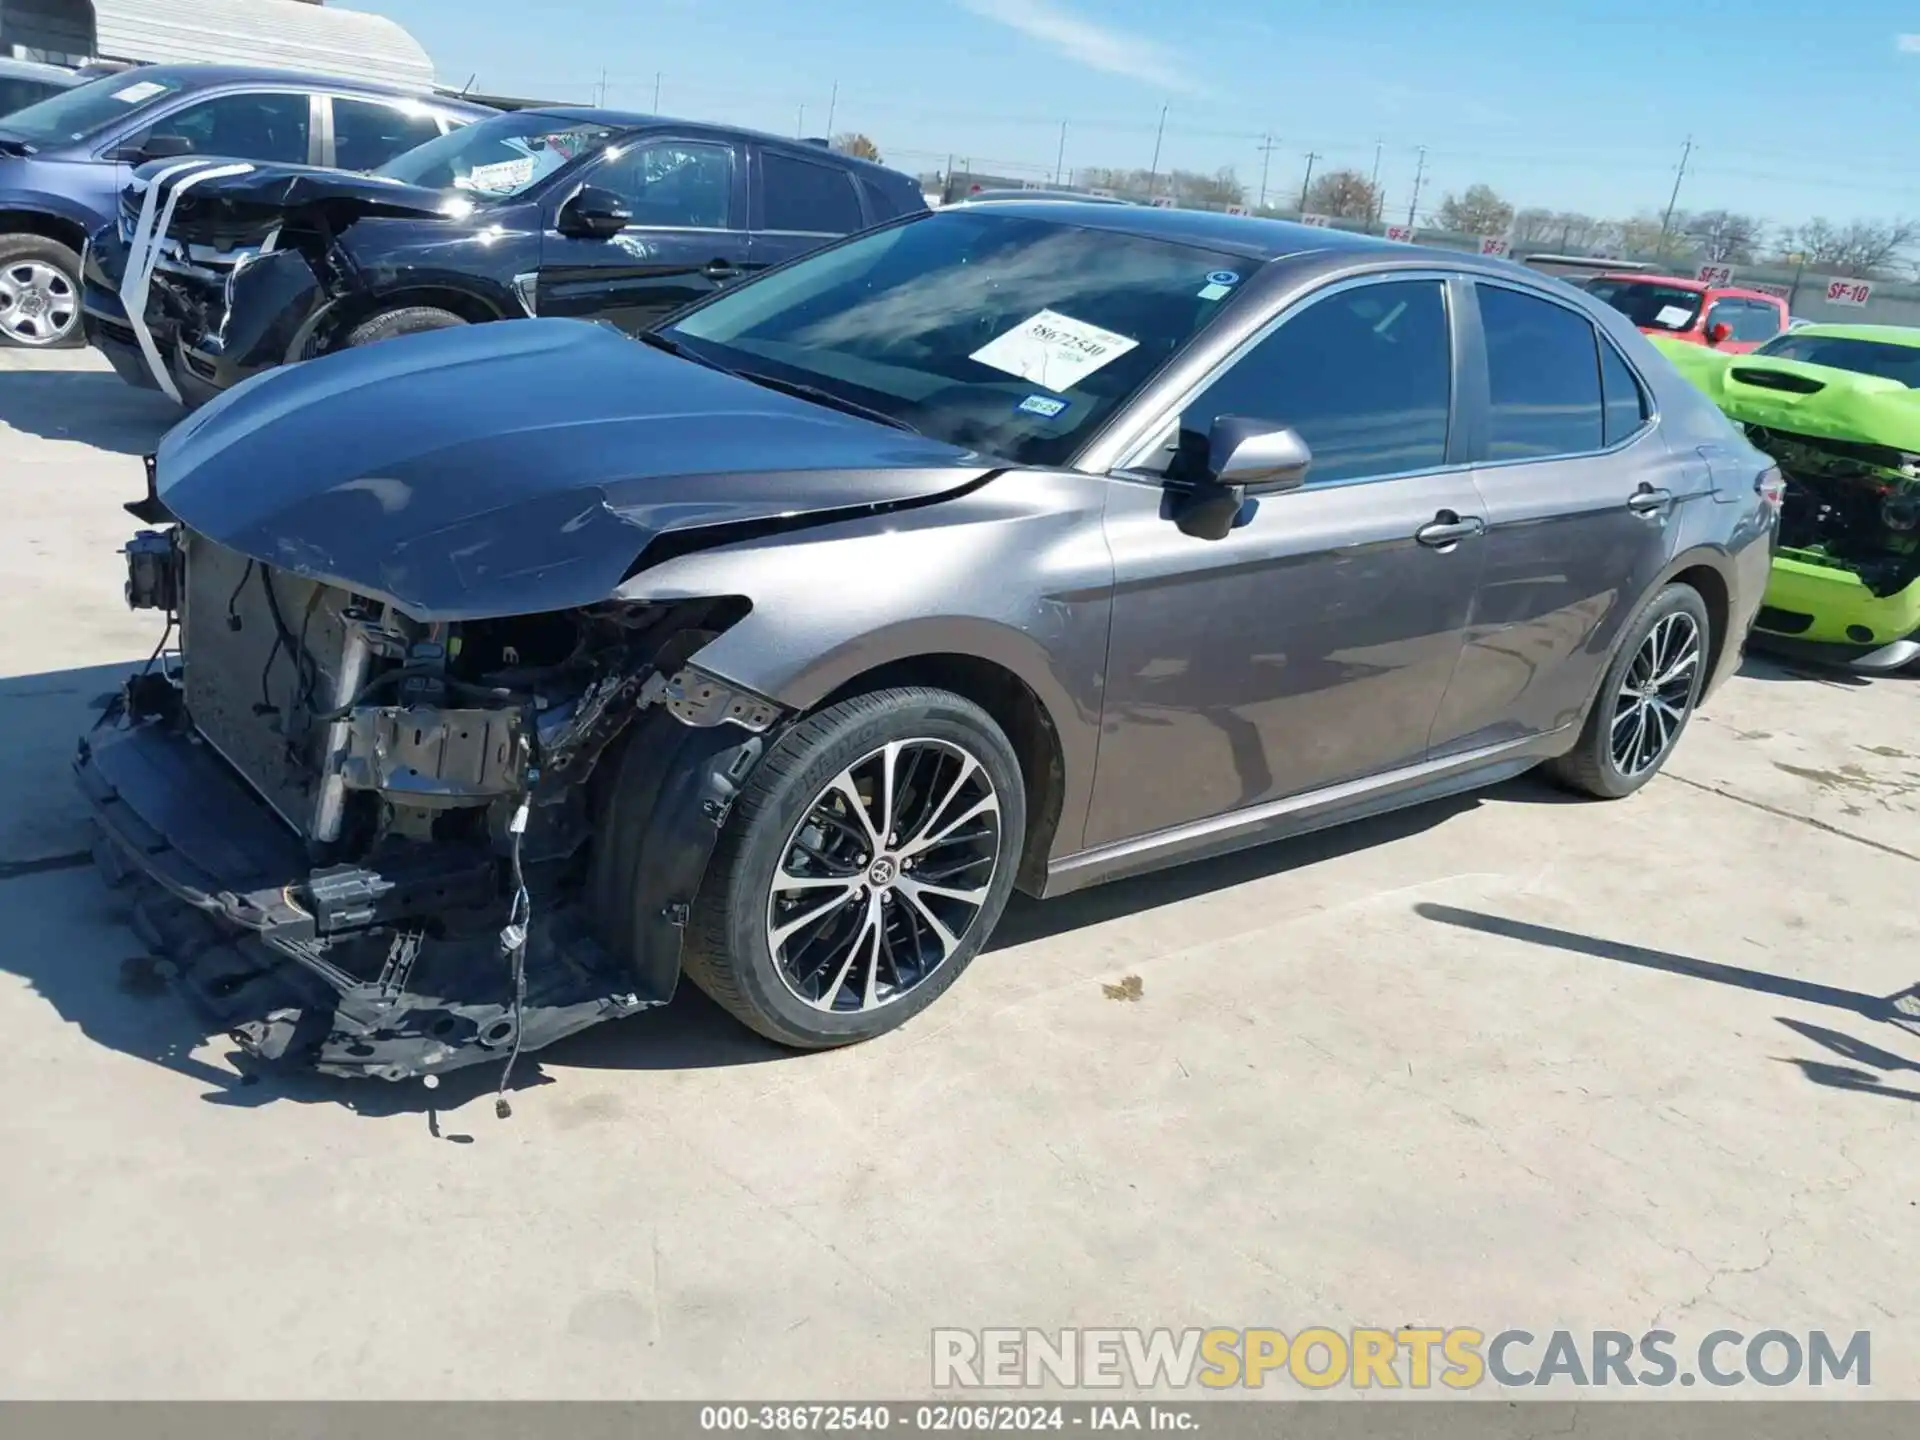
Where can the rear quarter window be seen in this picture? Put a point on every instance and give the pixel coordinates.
(807, 197)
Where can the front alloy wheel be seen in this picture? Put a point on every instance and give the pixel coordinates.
(884, 875)
(39, 303)
(863, 865)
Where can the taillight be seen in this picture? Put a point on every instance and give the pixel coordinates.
(1771, 486)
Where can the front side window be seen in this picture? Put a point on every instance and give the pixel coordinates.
(671, 183)
(269, 127)
(1543, 378)
(1757, 321)
(1365, 376)
(500, 157)
(88, 109)
(800, 195)
(367, 133)
(1650, 304)
(1008, 335)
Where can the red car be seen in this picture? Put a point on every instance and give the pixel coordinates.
(1722, 316)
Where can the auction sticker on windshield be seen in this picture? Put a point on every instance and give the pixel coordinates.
(134, 94)
(1672, 316)
(501, 177)
(1053, 350)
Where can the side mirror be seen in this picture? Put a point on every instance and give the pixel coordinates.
(1719, 333)
(1257, 454)
(594, 214)
(1243, 455)
(155, 147)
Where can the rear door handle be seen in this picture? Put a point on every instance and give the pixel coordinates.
(1649, 501)
(721, 270)
(1447, 530)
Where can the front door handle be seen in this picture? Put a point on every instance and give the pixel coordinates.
(1649, 501)
(1447, 530)
(721, 270)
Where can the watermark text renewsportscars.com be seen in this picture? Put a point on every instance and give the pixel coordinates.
(1408, 1358)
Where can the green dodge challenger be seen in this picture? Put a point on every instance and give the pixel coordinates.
(1838, 407)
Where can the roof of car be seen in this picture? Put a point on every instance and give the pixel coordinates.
(1253, 237)
(635, 120)
(210, 75)
(1908, 335)
(1689, 282)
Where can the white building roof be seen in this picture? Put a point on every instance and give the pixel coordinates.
(280, 33)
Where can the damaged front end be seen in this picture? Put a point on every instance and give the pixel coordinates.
(215, 272)
(1848, 568)
(385, 847)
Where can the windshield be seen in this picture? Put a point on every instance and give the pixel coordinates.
(1012, 336)
(1864, 357)
(87, 109)
(500, 157)
(1649, 304)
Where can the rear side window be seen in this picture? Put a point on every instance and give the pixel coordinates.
(1542, 378)
(1365, 376)
(1626, 402)
(1758, 321)
(368, 134)
(814, 199)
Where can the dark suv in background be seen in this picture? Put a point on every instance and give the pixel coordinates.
(588, 213)
(65, 160)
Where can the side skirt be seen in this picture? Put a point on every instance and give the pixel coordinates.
(1301, 814)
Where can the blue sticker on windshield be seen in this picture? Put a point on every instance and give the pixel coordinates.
(1223, 277)
(1044, 405)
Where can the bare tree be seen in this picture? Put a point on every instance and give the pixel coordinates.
(1636, 237)
(1479, 211)
(1343, 194)
(1534, 226)
(852, 143)
(1862, 248)
(1722, 236)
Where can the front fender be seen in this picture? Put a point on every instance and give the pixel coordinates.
(47, 204)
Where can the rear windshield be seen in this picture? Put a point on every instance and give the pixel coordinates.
(1649, 304)
(88, 109)
(1864, 357)
(1004, 334)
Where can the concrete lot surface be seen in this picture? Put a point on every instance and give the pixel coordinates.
(1512, 1061)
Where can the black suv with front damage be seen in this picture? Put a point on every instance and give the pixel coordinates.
(215, 272)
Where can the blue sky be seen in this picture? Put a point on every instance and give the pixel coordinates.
(1569, 104)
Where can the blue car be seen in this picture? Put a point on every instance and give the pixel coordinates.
(65, 160)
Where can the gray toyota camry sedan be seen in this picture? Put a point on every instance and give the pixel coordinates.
(523, 668)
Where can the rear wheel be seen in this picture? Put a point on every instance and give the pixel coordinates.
(402, 320)
(1645, 700)
(862, 868)
(39, 293)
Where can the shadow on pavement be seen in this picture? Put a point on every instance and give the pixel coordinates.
(1901, 1009)
(1763, 665)
(93, 407)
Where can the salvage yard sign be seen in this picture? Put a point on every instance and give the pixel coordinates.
(1320, 222)
(1849, 292)
(1401, 233)
(1714, 274)
(1497, 246)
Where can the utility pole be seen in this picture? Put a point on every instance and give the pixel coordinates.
(1267, 146)
(1373, 187)
(800, 128)
(1307, 184)
(1060, 160)
(602, 101)
(1153, 174)
(1419, 174)
(832, 104)
(1666, 221)
(656, 92)
(946, 185)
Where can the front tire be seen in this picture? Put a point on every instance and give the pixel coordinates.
(403, 320)
(1645, 700)
(39, 294)
(863, 866)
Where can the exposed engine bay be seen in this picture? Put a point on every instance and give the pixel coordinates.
(1849, 505)
(373, 838)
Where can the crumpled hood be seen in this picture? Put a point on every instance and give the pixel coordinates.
(516, 467)
(289, 187)
(1802, 399)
